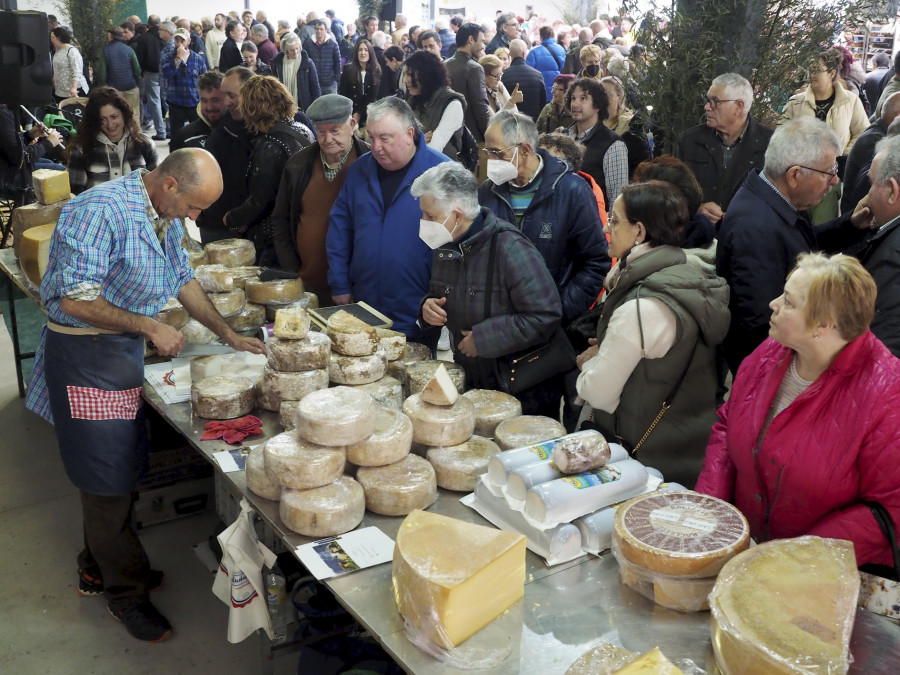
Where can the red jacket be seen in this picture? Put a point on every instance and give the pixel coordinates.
(838, 443)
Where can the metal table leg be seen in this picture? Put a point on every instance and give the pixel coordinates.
(19, 356)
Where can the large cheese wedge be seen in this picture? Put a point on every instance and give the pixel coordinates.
(420, 373)
(440, 425)
(680, 533)
(32, 215)
(355, 370)
(398, 488)
(786, 607)
(324, 511)
(526, 430)
(351, 336)
(452, 578)
(459, 467)
(276, 292)
(336, 417)
(231, 252)
(440, 389)
(34, 252)
(389, 442)
(297, 464)
(492, 408)
(311, 353)
(223, 397)
(50, 186)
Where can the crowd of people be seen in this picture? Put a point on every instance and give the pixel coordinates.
(499, 181)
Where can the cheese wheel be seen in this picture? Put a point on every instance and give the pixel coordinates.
(398, 488)
(287, 413)
(228, 304)
(387, 392)
(577, 454)
(412, 352)
(458, 467)
(277, 386)
(420, 373)
(50, 185)
(276, 292)
(680, 533)
(439, 425)
(173, 314)
(336, 417)
(307, 301)
(249, 318)
(298, 464)
(526, 430)
(311, 353)
(492, 408)
(242, 274)
(257, 479)
(195, 333)
(231, 252)
(324, 511)
(389, 442)
(34, 252)
(27, 216)
(244, 364)
(197, 258)
(222, 397)
(357, 369)
(351, 336)
(214, 278)
(393, 342)
(291, 323)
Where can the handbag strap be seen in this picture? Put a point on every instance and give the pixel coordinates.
(886, 523)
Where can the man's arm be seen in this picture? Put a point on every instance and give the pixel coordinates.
(201, 308)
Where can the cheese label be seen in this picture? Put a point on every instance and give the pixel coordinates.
(600, 476)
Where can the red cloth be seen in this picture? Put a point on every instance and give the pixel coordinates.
(232, 431)
(89, 403)
(838, 443)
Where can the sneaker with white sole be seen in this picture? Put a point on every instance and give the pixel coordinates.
(443, 344)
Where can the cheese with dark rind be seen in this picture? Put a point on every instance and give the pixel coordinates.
(351, 336)
(492, 408)
(458, 467)
(337, 416)
(356, 370)
(398, 488)
(526, 430)
(311, 353)
(228, 304)
(223, 397)
(324, 511)
(291, 323)
(389, 442)
(393, 342)
(250, 317)
(439, 425)
(420, 373)
(257, 479)
(298, 464)
(412, 352)
(387, 392)
(51, 186)
(173, 314)
(276, 292)
(277, 386)
(231, 252)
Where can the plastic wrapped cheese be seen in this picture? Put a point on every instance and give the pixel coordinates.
(420, 373)
(287, 414)
(244, 364)
(458, 467)
(602, 659)
(291, 323)
(307, 301)
(311, 353)
(250, 318)
(680, 533)
(355, 370)
(50, 186)
(214, 278)
(231, 252)
(28, 216)
(276, 292)
(393, 342)
(277, 386)
(257, 479)
(526, 430)
(34, 252)
(195, 333)
(243, 274)
(337, 417)
(786, 607)
(295, 463)
(351, 336)
(197, 258)
(492, 408)
(399, 488)
(387, 392)
(412, 352)
(222, 397)
(389, 442)
(228, 304)
(173, 314)
(323, 511)
(438, 425)
(653, 661)
(577, 454)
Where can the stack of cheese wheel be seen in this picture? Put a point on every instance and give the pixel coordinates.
(297, 360)
(671, 546)
(412, 352)
(307, 301)
(220, 283)
(387, 390)
(357, 355)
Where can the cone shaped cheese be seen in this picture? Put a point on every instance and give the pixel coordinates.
(440, 389)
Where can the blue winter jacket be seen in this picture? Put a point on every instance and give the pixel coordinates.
(327, 57)
(549, 58)
(373, 249)
(563, 222)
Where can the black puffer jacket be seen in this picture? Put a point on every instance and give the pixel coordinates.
(308, 89)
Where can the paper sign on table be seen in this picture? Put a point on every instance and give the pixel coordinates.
(170, 379)
(356, 550)
(234, 459)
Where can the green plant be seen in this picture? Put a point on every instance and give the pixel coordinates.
(89, 20)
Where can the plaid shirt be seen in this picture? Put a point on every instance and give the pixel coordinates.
(181, 80)
(109, 241)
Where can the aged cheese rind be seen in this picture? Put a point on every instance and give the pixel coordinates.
(492, 408)
(526, 430)
(323, 511)
(291, 323)
(215, 278)
(257, 479)
(277, 386)
(195, 333)
(412, 352)
(398, 488)
(311, 353)
(173, 314)
(230, 303)
(50, 186)
(440, 389)
(458, 467)
(222, 397)
(438, 425)
(231, 252)
(336, 417)
(420, 373)
(295, 463)
(250, 317)
(276, 292)
(576, 454)
(287, 414)
(351, 336)
(356, 370)
(393, 342)
(452, 578)
(387, 392)
(389, 442)
(34, 252)
(244, 364)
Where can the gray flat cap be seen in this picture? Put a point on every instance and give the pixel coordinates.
(330, 109)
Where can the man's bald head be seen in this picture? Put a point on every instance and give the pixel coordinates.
(517, 48)
(891, 108)
(187, 181)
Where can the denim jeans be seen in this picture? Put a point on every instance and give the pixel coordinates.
(154, 104)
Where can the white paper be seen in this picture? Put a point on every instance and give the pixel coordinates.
(356, 550)
(170, 379)
(232, 460)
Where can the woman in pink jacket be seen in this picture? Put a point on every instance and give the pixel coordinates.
(811, 429)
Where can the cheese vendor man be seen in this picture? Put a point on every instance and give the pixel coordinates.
(115, 259)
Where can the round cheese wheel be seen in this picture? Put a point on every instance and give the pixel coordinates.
(214, 278)
(287, 413)
(393, 342)
(387, 392)
(244, 364)
(277, 386)
(357, 369)
(389, 442)
(222, 397)
(242, 274)
(231, 252)
(492, 408)
(228, 304)
(420, 373)
(257, 479)
(276, 292)
(336, 417)
(398, 488)
(412, 352)
(526, 430)
(197, 258)
(195, 333)
(458, 467)
(249, 318)
(680, 533)
(440, 425)
(311, 353)
(296, 463)
(173, 314)
(291, 323)
(324, 511)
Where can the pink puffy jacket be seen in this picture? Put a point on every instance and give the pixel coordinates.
(837, 444)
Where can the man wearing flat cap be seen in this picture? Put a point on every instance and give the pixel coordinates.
(310, 184)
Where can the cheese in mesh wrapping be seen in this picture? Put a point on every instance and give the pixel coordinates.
(323, 511)
(398, 488)
(337, 416)
(786, 607)
(296, 463)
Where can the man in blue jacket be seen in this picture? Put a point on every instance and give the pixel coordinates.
(548, 57)
(326, 54)
(373, 246)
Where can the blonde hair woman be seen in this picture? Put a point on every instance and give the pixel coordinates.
(498, 97)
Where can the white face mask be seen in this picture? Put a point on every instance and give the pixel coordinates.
(500, 171)
(434, 233)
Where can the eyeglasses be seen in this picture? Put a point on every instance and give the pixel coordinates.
(493, 153)
(714, 102)
(831, 174)
(496, 76)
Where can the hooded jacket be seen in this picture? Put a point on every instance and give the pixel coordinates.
(110, 160)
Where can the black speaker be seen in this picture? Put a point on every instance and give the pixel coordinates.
(388, 10)
(25, 69)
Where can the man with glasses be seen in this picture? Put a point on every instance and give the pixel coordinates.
(507, 31)
(727, 147)
(467, 78)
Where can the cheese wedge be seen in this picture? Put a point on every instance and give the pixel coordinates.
(440, 389)
(653, 662)
(50, 186)
(34, 252)
(351, 336)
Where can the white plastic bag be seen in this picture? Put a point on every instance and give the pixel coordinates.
(239, 581)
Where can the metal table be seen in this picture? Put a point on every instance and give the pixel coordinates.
(10, 267)
(566, 610)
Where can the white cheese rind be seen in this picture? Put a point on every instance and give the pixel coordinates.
(336, 417)
(393, 342)
(277, 386)
(295, 463)
(325, 511)
(291, 323)
(492, 408)
(458, 467)
(399, 488)
(311, 353)
(437, 425)
(223, 397)
(351, 336)
(356, 370)
(389, 442)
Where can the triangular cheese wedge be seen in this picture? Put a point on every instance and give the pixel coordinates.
(34, 252)
(440, 389)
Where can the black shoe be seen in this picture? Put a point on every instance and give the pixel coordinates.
(142, 620)
(158, 138)
(90, 585)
